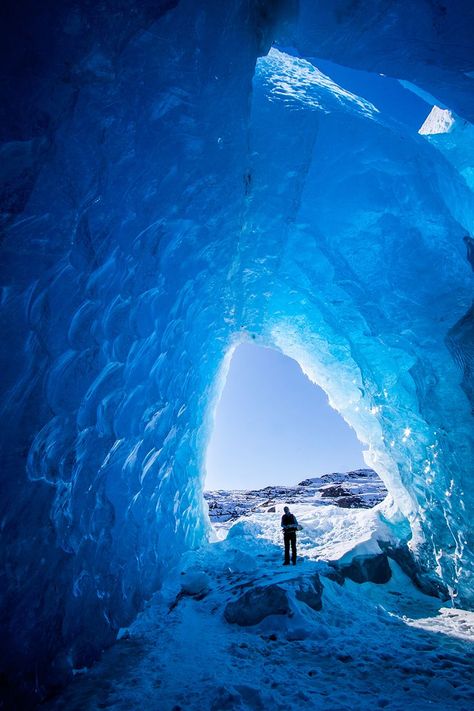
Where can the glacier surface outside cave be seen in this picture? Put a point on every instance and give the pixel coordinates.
(172, 185)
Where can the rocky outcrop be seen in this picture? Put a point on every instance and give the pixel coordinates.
(368, 568)
(276, 599)
(311, 592)
(256, 604)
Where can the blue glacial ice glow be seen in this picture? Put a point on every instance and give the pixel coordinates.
(172, 185)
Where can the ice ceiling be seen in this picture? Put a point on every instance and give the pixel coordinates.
(171, 185)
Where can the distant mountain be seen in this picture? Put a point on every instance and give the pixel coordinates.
(360, 488)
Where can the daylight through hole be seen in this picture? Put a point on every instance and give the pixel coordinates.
(276, 441)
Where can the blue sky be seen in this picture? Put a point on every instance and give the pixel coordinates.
(273, 426)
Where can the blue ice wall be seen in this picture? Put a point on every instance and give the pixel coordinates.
(165, 196)
(367, 272)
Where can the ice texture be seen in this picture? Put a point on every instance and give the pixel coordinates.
(171, 186)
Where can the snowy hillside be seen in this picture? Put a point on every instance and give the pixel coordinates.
(361, 488)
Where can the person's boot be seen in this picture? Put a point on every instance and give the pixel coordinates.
(287, 562)
(294, 562)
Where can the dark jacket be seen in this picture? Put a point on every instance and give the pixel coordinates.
(289, 522)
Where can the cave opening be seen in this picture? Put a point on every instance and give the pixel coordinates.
(272, 425)
(275, 439)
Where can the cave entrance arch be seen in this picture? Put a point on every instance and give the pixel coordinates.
(273, 426)
(274, 439)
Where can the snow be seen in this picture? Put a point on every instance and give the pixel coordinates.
(437, 121)
(369, 646)
(329, 530)
(361, 488)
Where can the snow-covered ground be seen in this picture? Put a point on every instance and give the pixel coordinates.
(369, 646)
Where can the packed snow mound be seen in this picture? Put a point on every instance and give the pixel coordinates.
(162, 200)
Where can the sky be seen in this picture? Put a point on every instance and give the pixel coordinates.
(273, 426)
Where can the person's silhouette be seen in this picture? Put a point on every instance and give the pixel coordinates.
(289, 525)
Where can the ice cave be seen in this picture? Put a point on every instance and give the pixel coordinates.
(180, 177)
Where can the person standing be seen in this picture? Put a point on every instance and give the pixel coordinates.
(289, 525)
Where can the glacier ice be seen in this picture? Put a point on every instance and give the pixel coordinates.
(171, 186)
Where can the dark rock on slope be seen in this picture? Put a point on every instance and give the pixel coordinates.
(361, 488)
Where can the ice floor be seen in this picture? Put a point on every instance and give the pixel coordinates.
(369, 647)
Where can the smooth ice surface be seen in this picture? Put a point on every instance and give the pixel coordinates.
(174, 183)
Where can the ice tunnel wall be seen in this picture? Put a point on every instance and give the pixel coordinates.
(164, 197)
